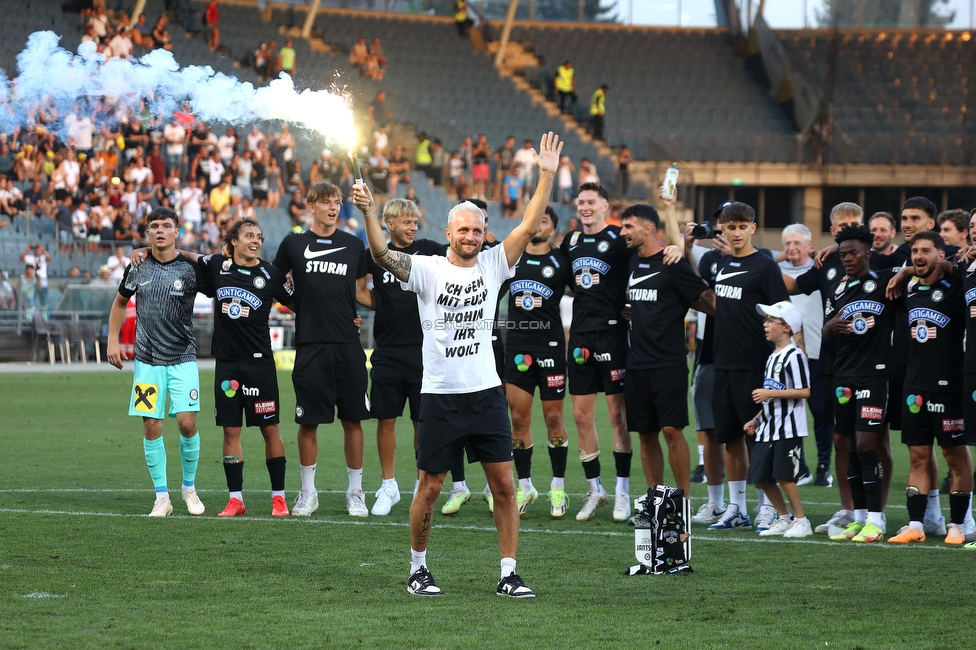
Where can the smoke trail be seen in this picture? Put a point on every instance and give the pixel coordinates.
(49, 73)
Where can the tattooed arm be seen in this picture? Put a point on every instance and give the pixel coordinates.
(395, 262)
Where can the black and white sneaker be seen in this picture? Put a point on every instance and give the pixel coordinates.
(513, 587)
(698, 476)
(421, 583)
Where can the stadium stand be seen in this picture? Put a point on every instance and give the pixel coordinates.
(898, 96)
(715, 118)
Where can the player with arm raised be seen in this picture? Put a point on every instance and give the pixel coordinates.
(463, 405)
(166, 355)
(397, 360)
(328, 267)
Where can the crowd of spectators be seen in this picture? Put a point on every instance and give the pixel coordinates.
(267, 60)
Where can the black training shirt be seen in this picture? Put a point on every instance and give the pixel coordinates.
(599, 263)
(539, 284)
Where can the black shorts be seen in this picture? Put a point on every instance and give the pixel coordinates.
(597, 362)
(250, 387)
(532, 368)
(327, 377)
(396, 378)
(859, 404)
(932, 416)
(657, 398)
(498, 351)
(775, 461)
(969, 406)
(896, 395)
(732, 404)
(452, 424)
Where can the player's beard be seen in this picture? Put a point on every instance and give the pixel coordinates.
(539, 240)
(459, 251)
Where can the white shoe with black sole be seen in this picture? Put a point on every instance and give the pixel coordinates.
(421, 583)
(513, 587)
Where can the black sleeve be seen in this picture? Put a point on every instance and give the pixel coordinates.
(363, 267)
(880, 261)
(205, 282)
(564, 244)
(809, 281)
(280, 289)
(123, 291)
(688, 285)
(705, 266)
(776, 288)
(282, 260)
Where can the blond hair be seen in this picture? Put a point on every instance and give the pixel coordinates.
(396, 208)
(846, 208)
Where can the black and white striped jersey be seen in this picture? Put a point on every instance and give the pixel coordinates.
(781, 419)
(164, 307)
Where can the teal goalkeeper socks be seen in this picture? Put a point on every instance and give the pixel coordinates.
(156, 460)
(190, 456)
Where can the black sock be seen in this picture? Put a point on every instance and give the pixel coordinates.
(558, 457)
(622, 460)
(856, 480)
(523, 462)
(591, 468)
(873, 483)
(958, 507)
(276, 470)
(234, 471)
(917, 503)
(457, 472)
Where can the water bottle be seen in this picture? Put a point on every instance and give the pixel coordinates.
(671, 183)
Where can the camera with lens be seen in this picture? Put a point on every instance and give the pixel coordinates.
(704, 231)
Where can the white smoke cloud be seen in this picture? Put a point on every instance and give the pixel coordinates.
(50, 73)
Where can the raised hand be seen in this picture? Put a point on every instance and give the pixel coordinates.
(363, 199)
(548, 155)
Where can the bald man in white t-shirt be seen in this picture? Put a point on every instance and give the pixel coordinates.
(462, 402)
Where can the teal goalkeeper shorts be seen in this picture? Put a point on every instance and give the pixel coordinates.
(152, 384)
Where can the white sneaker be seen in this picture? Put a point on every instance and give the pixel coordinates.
(934, 526)
(386, 498)
(799, 528)
(193, 504)
(162, 507)
(707, 515)
(766, 518)
(356, 504)
(779, 527)
(840, 520)
(593, 501)
(621, 506)
(305, 504)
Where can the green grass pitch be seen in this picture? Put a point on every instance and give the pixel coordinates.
(82, 567)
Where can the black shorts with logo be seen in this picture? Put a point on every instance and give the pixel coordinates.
(329, 377)
(597, 362)
(657, 398)
(775, 461)
(862, 406)
(451, 424)
(532, 368)
(932, 416)
(396, 377)
(732, 403)
(250, 387)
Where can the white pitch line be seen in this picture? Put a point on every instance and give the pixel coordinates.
(473, 528)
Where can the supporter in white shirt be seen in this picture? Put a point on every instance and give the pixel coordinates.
(121, 44)
(191, 196)
(117, 263)
(226, 144)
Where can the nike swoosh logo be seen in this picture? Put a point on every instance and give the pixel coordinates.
(142, 284)
(873, 423)
(956, 435)
(268, 417)
(192, 404)
(559, 390)
(722, 275)
(311, 255)
(634, 281)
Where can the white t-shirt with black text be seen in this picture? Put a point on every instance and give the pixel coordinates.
(457, 310)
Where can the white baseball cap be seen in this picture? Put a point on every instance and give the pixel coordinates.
(784, 310)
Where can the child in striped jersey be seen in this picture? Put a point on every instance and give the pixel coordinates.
(782, 424)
